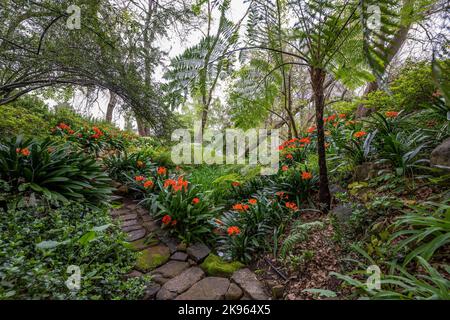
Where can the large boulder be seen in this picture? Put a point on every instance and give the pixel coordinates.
(440, 156)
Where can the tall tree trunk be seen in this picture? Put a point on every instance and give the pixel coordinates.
(111, 105)
(317, 81)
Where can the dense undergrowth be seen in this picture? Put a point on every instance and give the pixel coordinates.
(390, 206)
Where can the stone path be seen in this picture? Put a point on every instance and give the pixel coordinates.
(176, 269)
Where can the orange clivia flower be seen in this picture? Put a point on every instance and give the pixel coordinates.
(233, 230)
(252, 201)
(282, 195)
(139, 178)
(195, 200)
(174, 222)
(311, 129)
(148, 184)
(306, 175)
(289, 156)
(342, 115)
(240, 207)
(25, 151)
(359, 134)
(166, 219)
(391, 114)
(169, 182)
(235, 184)
(161, 170)
(292, 206)
(306, 140)
(285, 168)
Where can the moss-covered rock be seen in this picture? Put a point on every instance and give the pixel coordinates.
(215, 266)
(152, 257)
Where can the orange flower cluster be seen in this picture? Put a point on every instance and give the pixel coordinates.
(311, 129)
(195, 200)
(25, 151)
(235, 184)
(148, 184)
(285, 168)
(139, 178)
(65, 127)
(98, 133)
(252, 201)
(330, 118)
(161, 171)
(177, 185)
(168, 220)
(233, 230)
(306, 175)
(240, 207)
(391, 114)
(289, 156)
(293, 143)
(292, 206)
(282, 195)
(359, 134)
(342, 115)
(306, 140)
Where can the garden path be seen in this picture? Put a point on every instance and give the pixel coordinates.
(176, 269)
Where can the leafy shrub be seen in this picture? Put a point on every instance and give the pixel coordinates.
(425, 231)
(401, 284)
(244, 229)
(37, 245)
(53, 171)
(18, 120)
(182, 210)
(123, 164)
(298, 233)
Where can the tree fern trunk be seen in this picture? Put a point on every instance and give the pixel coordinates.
(317, 81)
(111, 106)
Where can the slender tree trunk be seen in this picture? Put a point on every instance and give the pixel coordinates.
(141, 127)
(317, 81)
(111, 105)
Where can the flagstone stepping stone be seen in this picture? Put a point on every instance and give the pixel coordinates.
(131, 206)
(247, 280)
(180, 283)
(179, 256)
(171, 269)
(128, 223)
(214, 266)
(151, 226)
(134, 274)
(182, 247)
(152, 258)
(143, 243)
(233, 292)
(157, 278)
(171, 243)
(198, 252)
(136, 235)
(147, 218)
(210, 288)
(131, 228)
(130, 216)
(151, 291)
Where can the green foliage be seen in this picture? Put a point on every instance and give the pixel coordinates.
(255, 222)
(298, 233)
(189, 218)
(18, 120)
(53, 171)
(426, 229)
(37, 245)
(401, 284)
(119, 166)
